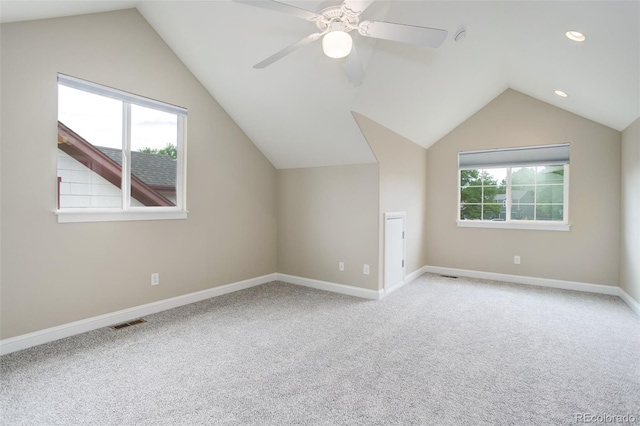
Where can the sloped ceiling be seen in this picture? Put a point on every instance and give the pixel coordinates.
(298, 110)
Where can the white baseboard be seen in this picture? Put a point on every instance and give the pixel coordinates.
(25, 341)
(635, 306)
(542, 282)
(388, 291)
(407, 279)
(520, 279)
(332, 287)
(415, 274)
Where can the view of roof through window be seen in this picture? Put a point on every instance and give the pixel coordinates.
(95, 133)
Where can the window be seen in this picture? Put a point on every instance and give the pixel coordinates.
(120, 156)
(514, 188)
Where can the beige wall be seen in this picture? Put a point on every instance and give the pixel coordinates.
(630, 214)
(403, 188)
(327, 215)
(58, 273)
(588, 253)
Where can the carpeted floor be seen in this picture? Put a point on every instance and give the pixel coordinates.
(439, 351)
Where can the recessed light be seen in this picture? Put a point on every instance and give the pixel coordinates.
(561, 94)
(575, 36)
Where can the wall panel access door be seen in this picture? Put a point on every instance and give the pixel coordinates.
(394, 250)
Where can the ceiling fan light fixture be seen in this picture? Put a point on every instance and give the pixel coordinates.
(337, 44)
(575, 36)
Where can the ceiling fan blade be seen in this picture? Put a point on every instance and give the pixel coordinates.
(356, 7)
(284, 52)
(353, 67)
(277, 6)
(421, 36)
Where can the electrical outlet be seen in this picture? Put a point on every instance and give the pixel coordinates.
(365, 269)
(516, 260)
(155, 278)
(341, 266)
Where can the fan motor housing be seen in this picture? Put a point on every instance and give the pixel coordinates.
(334, 18)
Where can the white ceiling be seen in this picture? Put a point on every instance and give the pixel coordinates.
(298, 110)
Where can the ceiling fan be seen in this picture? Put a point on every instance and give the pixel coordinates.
(335, 21)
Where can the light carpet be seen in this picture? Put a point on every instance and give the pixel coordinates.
(439, 351)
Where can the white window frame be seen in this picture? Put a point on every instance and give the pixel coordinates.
(129, 212)
(517, 224)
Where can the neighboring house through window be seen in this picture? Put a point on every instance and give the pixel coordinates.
(514, 188)
(120, 156)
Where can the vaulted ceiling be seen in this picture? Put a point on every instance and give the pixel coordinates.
(298, 111)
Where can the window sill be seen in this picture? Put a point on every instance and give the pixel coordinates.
(514, 225)
(117, 216)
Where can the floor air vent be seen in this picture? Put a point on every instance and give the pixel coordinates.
(128, 324)
(449, 276)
